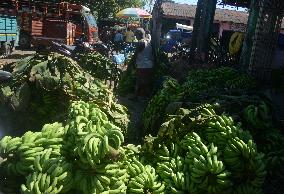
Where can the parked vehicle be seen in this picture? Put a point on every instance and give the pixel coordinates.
(182, 34)
(71, 51)
(9, 32)
(43, 21)
(5, 76)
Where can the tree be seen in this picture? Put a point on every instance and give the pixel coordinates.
(108, 8)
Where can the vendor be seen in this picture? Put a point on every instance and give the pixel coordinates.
(144, 64)
(129, 36)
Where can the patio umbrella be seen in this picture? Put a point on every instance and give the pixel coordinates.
(133, 13)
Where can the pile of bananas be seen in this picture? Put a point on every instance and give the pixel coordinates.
(244, 162)
(81, 157)
(45, 85)
(155, 111)
(51, 175)
(208, 171)
(99, 66)
(143, 179)
(171, 169)
(258, 117)
(202, 84)
(200, 150)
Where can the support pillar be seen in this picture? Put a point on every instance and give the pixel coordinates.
(248, 40)
(265, 39)
(202, 29)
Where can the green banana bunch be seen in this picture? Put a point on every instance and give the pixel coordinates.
(242, 81)
(274, 160)
(130, 151)
(272, 140)
(93, 149)
(247, 189)
(194, 146)
(98, 65)
(205, 83)
(220, 129)
(258, 116)
(155, 109)
(134, 167)
(118, 115)
(146, 182)
(165, 153)
(104, 179)
(38, 183)
(19, 154)
(207, 173)
(244, 162)
(9, 145)
(172, 173)
(51, 175)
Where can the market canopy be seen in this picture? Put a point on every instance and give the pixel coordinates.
(133, 13)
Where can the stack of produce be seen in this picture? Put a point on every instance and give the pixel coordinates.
(201, 85)
(99, 66)
(84, 156)
(154, 112)
(45, 85)
(200, 151)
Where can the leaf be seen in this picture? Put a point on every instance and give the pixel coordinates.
(5, 94)
(20, 99)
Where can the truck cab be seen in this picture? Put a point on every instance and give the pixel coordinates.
(83, 19)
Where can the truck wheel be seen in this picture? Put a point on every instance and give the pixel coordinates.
(12, 46)
(24, 41)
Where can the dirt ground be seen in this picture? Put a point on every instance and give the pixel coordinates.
(15, 56)
(135, 107)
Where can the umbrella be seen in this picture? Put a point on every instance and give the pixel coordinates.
(133, 12)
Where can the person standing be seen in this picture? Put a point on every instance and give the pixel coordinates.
(118, 40)
(144, 64)
(148, 35)
(129, 36)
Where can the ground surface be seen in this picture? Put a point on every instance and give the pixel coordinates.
(16, 56)
(135, 107)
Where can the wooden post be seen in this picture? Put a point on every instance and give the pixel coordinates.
(157, 26)
(202, 29)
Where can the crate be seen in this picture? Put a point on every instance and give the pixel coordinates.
(37, 27)
(59, 30)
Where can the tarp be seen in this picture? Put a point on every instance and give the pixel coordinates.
(184, 27)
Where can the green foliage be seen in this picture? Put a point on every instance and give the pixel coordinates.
(45, 85)
(108, 8)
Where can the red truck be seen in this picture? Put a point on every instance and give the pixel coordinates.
(43, 21)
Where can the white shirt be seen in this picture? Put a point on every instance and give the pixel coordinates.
(145, 58)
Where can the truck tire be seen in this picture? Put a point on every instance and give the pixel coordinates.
(24, 41)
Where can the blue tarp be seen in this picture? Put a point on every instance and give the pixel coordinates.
(118, 59)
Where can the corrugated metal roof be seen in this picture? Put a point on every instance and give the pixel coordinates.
(171, 9)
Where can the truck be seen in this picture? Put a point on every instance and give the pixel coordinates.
(9, 32)
(182, 34)
(43, 21)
